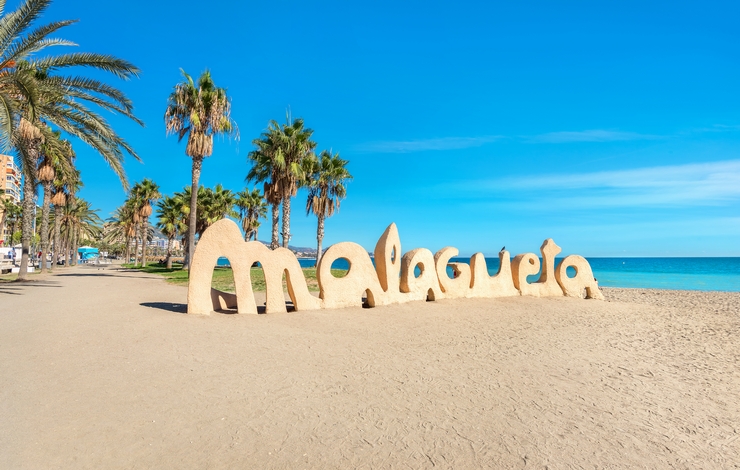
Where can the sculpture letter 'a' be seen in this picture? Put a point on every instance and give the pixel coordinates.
(394, 278)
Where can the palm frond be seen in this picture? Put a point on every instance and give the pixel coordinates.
(34, 42)
(12, 24)
(108, 63)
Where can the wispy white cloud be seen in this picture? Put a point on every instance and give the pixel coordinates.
(697, 184)
(719, 128)
(408, 146)
(594, 135)
(457, 143)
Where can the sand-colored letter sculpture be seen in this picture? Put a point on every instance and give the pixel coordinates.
(393, 278)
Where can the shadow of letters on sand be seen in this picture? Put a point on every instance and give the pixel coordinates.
(169, 306)
(392, 280)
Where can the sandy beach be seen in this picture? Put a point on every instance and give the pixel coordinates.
(101, 369)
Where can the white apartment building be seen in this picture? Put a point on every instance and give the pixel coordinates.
(11, 184)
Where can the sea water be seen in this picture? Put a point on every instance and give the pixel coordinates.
(720, 274)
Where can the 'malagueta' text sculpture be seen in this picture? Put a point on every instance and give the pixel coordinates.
(392, 280)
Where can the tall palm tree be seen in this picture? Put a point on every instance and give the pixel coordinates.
(80, 220)
(252, 207)
(57, 156)
(327, 177)
(170, 221)
(122, 227)
(199, 111)
(32, 93)
(144, 194)
(264, 171)
(66, 183)
(296, 145)
(278, 159)
(73, 187)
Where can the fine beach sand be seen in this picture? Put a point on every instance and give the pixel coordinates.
(101, 369)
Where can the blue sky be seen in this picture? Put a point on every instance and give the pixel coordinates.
(612, 128)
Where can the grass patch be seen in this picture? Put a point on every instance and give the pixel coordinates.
(223, 278)
(13, 277)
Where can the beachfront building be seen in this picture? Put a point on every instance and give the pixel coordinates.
(157, 242)
(11, 186)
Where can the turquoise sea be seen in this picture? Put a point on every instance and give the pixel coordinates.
(718, 274)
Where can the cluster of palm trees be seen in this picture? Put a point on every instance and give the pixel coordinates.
(58, 232)
(284, 160)
(324, 176)
(130, 221)
(39, 98)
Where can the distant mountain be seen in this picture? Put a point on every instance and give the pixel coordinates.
(296, 249)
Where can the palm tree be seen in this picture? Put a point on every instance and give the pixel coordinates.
(73, 187)
(57, 157)
(252, 207)
(199, 111)
(122, 227)
(80, 220)
(217, 204)
(32, 94)
(58, 200)
(143, 195)
(327, 177)
(296, 145)
(264, 171)
(278, 156)
(170, 221)
(182, 200)
(12, 214)
(65, 185)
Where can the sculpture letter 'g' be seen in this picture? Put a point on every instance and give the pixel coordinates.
(392, 280)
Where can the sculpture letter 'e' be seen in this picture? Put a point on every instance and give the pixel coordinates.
(527, 264)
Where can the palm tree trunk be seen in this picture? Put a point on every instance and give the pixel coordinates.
(143, 243)
(65, 250)
(256, 229)
(197, 165)
(169, 252)
(75, 248)
(275, 219)
(185, 254)
(128, 249)
(57, 229)
(26, 225)
(286, 221)
(45, 224)
(73, 233)
(136, 244)
(319, 238)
